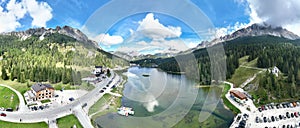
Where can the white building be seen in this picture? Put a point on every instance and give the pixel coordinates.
(274, 71)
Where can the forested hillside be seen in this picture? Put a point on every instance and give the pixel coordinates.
(56, 58)
(270, 51)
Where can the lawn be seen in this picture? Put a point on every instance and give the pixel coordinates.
(227, 102)
(241, 74)
(4, 124)
(252, 63)
(100, 103)
(21, 87)
(8, 98)
(68, 122)
(46, 101)
(244, 61)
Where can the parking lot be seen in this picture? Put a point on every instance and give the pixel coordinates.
(282, 115)
(60, 98)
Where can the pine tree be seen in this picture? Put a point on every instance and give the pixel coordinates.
(4, 74)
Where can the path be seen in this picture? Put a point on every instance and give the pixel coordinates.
(114, 94)
(253, 77)
(100, 110)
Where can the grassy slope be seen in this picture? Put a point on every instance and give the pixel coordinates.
(242, 74)
(23, 125)
(68, 122)
(8, 99)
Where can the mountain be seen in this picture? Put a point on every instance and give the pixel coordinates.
(253, 30)
(42, 32)
(132, 56)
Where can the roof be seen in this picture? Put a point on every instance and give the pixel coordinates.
(98, 66)
(39, 86)
(238, 94)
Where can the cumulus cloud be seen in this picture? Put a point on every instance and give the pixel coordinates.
(153, 29)
(222, 31)
(16, 10)
(39, 11)
(108, 39)
(9, 18)
(159, 37)
(276, 13)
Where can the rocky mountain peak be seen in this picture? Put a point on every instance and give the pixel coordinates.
(65, 30)
(254, 30)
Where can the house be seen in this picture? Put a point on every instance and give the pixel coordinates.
(39, 92)
(98, 70)
(274, 71)
(238, 94)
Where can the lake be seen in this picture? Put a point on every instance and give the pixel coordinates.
(160, 99)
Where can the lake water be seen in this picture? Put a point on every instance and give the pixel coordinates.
(167, 100)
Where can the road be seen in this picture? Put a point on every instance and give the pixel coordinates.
(46, 115)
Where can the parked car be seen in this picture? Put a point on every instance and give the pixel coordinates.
(71, 99)
(101, 91)
(287, 114)
(3, 114)
(272, 118)
(9, 109)
(265, 119)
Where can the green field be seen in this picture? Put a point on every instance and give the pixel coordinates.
(99, 104)
(68, 122)
(227, 102)
(46, 101)
(8, 98)
(23, 125)
(241, 74)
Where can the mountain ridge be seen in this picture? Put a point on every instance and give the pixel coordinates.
(252, 30)
(42, 32)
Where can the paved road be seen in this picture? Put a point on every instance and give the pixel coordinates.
(22, 106)
(44, 116)
(83, 117)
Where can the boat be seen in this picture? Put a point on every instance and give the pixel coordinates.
(146, 75)
(125, 111)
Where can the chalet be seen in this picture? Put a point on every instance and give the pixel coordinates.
(39, 92)
(238, 94)
(274, 71)
(98, 70)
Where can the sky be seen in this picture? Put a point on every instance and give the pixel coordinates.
(148, 26)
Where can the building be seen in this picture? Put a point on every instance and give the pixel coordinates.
(238, 94)
(274, 71)
(98, 70)
(39, 92)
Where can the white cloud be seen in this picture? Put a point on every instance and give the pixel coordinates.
(143, 43)
(276, 13)
(39, 11)
(9, 18)
(108, 40)
(219, 32)
(153, 29)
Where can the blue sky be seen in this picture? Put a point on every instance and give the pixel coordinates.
(225, 15)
